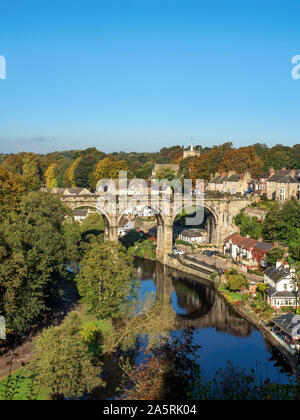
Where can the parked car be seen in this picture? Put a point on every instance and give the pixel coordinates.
(208, 253)
(177, 251)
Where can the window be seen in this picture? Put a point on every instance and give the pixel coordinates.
(282, 194)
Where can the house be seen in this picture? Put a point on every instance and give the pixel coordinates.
(282, 286)
(191, 236)
(241, 248)
(261, 249)
(281, 185)
(286, 329)
(80, 215)
(159, 166)
(53, 190)
(76, 191)
(125, 225)
(229, 182)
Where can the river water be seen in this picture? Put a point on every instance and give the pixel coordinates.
(222, 334)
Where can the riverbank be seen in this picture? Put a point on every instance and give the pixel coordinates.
(238, 306)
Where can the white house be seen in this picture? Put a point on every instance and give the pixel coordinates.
(239, 246)
(125, 226)
(80, 215)
(191, 236)
(282, 286)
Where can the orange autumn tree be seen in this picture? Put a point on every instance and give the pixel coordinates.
(244, 159)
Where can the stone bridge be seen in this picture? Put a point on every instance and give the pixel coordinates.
(219, 213)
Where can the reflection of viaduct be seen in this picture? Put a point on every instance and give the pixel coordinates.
(219, 214)
(205, 308)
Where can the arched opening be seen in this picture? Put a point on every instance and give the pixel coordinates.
(140, 228)
(195, 225)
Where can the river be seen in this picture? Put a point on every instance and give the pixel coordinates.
(222, 334)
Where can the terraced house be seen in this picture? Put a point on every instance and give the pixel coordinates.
(229, 182)
(281, 185)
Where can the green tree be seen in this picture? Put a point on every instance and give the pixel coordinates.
(248, 226)
(11, 189)
(33, 258)
(63, 361)
(276, 253)
(165, 173)
(106, 280)
(262, 288)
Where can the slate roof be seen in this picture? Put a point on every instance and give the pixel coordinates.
(283, 179)
(290, 323)
(277, 274)
(191, 233)
(233, 178)
(217, 180)
(75, 190)
(264, 246)
(271, 291)
(123, 222)
(80, 213)
(280, 172)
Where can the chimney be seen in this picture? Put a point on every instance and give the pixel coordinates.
(278, 263)
(293, 173)
(242, 176)
(283, 169)
(211, 176)
(260, 239)
(223, 174)
(231, 173)
(286, 265)
(276, 244)
(272, 172)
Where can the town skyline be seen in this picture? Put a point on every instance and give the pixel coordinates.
(138, 75)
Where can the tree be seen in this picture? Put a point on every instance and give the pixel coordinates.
(248, 226)
(106, 281)
(262, 288)
(71, 171)
(63, 361)
(283, 224)
(165, 173)
(51, 181)
(31, 172)
(276, 253)
(33, 258)
(107, 169)
(171, 371)
(86, 167)
(11, 189)
(242, 160)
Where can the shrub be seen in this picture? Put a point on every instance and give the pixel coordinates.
(90, 333)
(236, 282)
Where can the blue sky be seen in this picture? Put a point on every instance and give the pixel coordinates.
(137, 75)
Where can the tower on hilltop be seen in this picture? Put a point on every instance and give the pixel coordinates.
(190, 151)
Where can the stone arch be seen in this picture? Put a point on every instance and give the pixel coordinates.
(211, 220)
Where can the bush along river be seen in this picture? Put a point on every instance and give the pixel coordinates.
(220, 331)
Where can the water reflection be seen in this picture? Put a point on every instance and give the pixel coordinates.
(196, 304)
(220, 331)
